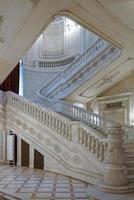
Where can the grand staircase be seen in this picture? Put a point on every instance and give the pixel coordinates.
(73, 141)
(101, 153)
(90, 151)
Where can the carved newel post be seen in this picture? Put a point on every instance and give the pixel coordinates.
(115, 170)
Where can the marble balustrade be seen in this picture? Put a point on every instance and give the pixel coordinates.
(61, 125)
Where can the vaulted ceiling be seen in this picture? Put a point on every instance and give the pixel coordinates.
(21, 22)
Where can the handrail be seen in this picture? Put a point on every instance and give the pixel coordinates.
(78, 114)
(75, 66)
(51, 119)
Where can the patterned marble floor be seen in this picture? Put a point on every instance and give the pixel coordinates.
(24, 183)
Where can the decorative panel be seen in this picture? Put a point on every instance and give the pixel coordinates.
(53, 39)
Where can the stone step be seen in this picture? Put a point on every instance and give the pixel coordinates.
(130, 170)
(129, 151)
(130, 157)
(131, 178)
(130, 163)
(128, 146)
(129, 142)
(131, 187)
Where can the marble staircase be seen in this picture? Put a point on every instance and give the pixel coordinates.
(96, 58)
(129, 153)
(96, 152)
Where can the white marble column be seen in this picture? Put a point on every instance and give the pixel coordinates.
(18, 151)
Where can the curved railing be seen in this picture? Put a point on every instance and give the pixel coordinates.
(54, 63)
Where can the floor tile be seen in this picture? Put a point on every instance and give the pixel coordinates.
(24, 184)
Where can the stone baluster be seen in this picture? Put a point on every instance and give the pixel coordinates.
(46, 118)
(61, 127)
(89, 142)
(63, 132)
(80, 136)
(85, 138)
(48, 122)
(105, 149)
(21, 106)
(93, 144)
(97, 148)
(69, 132)
(43, 117)
(98, 122)
(101, 151)
(75, 133)
(115, 170)
(57, 125)
(52, 122)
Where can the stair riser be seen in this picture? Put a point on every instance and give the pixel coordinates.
(129, 147)
(129, 165)
(129, 152)
(131, 180)
(129, 158)
(131, 172)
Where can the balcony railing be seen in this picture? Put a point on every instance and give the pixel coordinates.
(54, 63)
